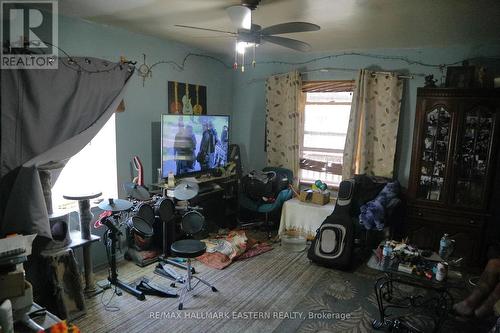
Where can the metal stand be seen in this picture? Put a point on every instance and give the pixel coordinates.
(189, 287)
(113, 278)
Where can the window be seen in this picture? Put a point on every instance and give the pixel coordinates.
(93, 169)
(325, 129)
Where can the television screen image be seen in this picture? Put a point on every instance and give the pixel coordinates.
(191, 144)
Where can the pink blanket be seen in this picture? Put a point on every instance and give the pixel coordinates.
(221, 252)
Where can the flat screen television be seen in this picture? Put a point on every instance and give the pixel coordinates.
(193, 144)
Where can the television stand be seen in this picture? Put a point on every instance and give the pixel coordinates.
(208, 187)
(218, 196)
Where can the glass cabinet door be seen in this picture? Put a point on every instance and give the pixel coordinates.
(472, 157)
(435, 147)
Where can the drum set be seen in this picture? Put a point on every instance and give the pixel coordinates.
(150, 224)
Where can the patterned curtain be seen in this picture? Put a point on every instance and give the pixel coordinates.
(373, 125)
(285, 103)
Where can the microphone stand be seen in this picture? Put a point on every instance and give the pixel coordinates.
(114, 232)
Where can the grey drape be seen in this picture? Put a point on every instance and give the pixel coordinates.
(47, 116)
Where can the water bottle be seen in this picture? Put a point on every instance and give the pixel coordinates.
(387, 251)
(445, 246)
(171, 180)
(441, 271)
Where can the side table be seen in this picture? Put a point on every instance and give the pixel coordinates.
(440, 302)
(303, 216)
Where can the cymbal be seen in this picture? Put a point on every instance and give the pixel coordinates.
(186, 191)
(115, 205)
(135, 191)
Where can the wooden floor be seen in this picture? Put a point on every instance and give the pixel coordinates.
(267, 285)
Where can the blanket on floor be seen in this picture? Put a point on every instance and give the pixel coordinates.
(221, 252)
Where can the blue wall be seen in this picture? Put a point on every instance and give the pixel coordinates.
(249, 92)
(144, 105)
(240, 95)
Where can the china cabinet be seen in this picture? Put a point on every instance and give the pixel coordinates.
(455, 144)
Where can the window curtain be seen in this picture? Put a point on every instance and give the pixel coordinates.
(47, 116)
(285, 103)
(373, 125)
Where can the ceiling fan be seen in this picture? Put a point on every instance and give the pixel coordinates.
(251, 35)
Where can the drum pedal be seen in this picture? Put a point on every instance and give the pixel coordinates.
(170, 273)
(177, 264)
(150, 288)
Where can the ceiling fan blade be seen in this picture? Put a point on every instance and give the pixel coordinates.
(289, 27)
(288, 42)
(205, 29)
(241, 16)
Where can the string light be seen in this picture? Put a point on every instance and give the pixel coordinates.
(181, 67)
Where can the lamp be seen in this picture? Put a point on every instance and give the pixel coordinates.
(240, 50)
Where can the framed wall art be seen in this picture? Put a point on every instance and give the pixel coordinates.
(186, 98)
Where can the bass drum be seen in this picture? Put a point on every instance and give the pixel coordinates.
(141, 233)
(164, 209)
(145, 211)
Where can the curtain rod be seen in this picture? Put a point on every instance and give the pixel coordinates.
(328, 69)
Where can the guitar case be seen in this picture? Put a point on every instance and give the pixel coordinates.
(334, 241)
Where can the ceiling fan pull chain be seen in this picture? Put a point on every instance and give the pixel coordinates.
(235, 65)
(253, 61)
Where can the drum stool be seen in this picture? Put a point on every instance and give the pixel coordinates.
(191, 223)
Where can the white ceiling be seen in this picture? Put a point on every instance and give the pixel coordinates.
(345, 24)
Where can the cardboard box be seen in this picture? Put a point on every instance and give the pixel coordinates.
(316, 197)
(11, 284)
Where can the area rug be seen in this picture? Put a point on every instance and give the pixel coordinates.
(236, 245)
(346, 303)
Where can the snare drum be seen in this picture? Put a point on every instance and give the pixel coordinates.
(145, 211)
(141, 232)
(164, 209)
(192, 222)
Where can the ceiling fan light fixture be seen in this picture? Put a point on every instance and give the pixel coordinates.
(242, 46)
(241, 16)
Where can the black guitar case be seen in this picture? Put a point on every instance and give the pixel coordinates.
(334, 241)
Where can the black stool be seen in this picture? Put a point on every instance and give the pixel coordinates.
(191, 223)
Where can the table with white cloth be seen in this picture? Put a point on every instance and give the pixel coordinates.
(305, 217)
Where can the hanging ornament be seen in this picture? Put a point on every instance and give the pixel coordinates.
(144, 71)
(235, 65)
